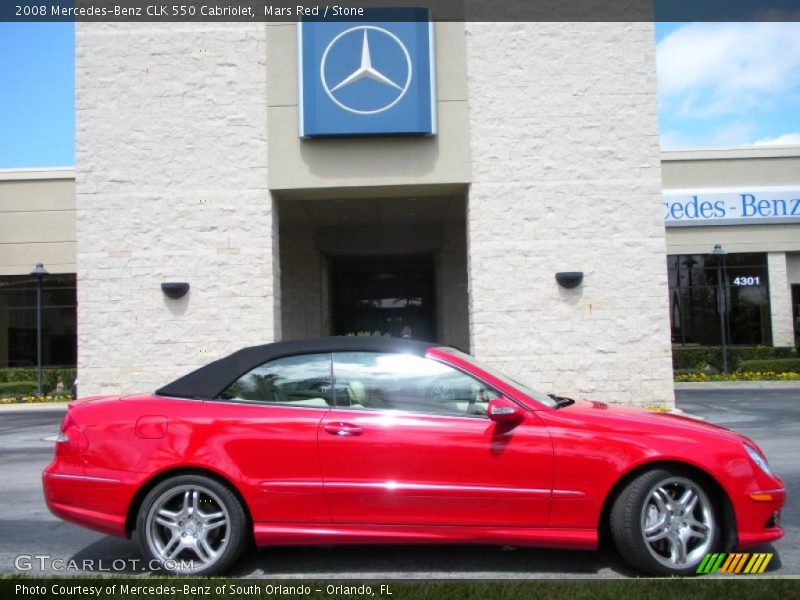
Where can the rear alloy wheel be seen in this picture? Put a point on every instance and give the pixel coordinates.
(191, 525)
(664, 523)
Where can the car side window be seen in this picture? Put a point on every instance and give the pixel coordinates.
(387, 381)
(303, 380)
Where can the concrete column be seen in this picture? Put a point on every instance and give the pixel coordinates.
(560, 153)
(780, 300)
(171, 185)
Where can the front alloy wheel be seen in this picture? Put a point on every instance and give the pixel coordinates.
(191, 524)
(678, 522)
(664, 523)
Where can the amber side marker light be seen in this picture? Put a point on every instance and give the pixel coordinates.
(762, 496)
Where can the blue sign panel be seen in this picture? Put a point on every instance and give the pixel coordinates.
(366, 78)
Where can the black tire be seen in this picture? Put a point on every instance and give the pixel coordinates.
(629, 513)
(224, 543)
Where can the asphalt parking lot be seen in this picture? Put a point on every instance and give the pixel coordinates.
(770, 416)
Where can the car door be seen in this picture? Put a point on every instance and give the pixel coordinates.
(265, 425)
(408, 442)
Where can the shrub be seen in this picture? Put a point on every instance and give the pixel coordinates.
(50, 376)
(366, 334)
(702, 377)
(17, 388)
(776, 365)
(699, 358)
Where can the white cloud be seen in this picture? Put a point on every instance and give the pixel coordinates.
(726, 135)
(713, 69)
(787, 139)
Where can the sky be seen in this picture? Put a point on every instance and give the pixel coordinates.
(37, 100)
(719, 85)
(728, 84)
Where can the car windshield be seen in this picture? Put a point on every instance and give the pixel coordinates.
(550, 400)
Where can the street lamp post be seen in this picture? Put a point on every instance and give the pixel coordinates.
(38, 273)
(719, 255)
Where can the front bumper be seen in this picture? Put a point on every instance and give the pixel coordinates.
(758, 516)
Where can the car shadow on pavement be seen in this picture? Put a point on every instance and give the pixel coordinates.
(426, 562)
(114, 555)
(391, 562)
(110, 555)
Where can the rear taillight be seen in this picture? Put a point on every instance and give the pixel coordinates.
(71, 439)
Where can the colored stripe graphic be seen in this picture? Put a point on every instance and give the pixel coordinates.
(758, 563)
(735, 563)
(711, 563)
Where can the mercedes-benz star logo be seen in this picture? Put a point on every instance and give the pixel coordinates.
(366, 70)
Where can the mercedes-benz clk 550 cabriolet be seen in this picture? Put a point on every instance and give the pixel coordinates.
(381, 441)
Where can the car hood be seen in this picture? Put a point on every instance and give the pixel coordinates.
(619, 416)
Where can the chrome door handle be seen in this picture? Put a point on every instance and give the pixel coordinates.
(343, 429)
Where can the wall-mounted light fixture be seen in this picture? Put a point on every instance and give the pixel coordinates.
(174, 289)
(569, 279)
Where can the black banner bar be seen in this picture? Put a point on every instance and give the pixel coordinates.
(247, 11)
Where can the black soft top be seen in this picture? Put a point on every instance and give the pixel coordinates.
(210, 380)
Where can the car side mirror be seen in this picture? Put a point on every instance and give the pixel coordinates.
(503, 410)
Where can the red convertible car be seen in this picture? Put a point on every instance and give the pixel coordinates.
(375, 440)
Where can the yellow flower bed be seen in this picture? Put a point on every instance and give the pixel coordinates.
(700, 376)
(656, 407)
(34, 399)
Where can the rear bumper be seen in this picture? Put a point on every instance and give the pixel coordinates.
(96, 502)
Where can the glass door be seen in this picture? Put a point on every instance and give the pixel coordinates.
(392, 295)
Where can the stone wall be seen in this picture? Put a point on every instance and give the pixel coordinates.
(304, 285)
(171, 184)
(452, 305)
(780, 299)
(566, 176)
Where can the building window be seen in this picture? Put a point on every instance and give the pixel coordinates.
(693, 302)
(18, 321)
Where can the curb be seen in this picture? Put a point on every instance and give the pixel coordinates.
(32, 406)
(736, 385)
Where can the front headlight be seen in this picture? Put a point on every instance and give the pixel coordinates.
(758, 459)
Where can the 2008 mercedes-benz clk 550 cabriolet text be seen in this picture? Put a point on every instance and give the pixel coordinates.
(377, 440)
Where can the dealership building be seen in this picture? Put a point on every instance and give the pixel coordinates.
(497, 187)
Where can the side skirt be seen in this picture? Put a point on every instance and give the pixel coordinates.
(302, 534)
